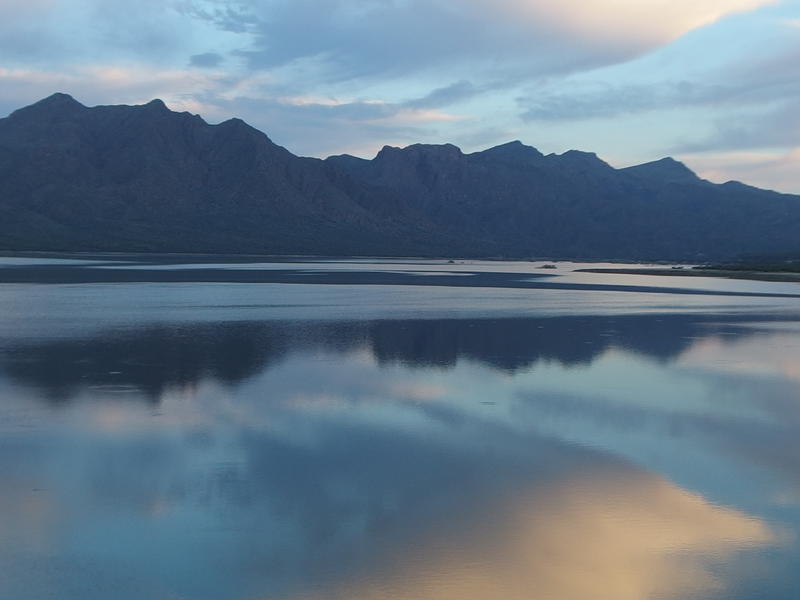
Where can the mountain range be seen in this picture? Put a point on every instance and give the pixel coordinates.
(145, 178)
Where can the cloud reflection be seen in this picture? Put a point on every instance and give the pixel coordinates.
(611, 535)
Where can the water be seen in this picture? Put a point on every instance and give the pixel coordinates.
(316, 442)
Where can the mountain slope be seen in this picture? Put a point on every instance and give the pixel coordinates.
(576, 205)
(146, 178)
(143, 177)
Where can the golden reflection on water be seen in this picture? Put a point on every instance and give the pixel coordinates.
(624, 535)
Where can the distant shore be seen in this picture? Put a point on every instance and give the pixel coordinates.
(690, 272)
(73, 274)
(77, 273)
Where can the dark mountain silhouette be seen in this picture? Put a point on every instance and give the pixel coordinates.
(144, 178)
(666, 170)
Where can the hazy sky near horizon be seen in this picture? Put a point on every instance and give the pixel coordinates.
(715, 83)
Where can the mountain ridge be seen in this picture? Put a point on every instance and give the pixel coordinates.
(145, 178)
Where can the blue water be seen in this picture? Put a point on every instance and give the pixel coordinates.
(316, 442)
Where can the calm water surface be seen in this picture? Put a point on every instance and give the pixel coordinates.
(317, 442)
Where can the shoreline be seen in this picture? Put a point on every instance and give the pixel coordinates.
(719, 273)
(71, 275)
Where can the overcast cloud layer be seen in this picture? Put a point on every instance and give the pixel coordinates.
(712, 82)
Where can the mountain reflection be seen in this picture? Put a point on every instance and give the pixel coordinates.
(150, 360)
(155, 359)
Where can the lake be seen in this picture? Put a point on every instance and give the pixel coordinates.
(423, 430)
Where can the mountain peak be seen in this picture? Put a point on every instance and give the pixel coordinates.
(157, 103)
(666, 170)
(669, 163)
(434, 148)
(420, 150)
(580, 154)
(513, 144)
(347, 159)
(514, 151)
(57, 103)
(580, 160)
(238, 125)
(59, 99)
(234, 122)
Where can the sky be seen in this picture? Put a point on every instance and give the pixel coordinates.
(714, 83)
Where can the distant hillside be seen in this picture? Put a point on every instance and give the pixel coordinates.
(144, 178)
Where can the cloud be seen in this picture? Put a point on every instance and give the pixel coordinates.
(740, 113)
(632, 23)
(323, 125)
(444, 96)
(308, 124)
(353, 39)
(776, 126)
(756, 82)
(331, 40)
(767, 92)
(207, 59)
(443, 52)
(374, 72)
(49, 33)
(599, 100)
